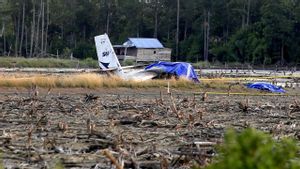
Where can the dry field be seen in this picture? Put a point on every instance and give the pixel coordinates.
(137, 128)
(83, 80)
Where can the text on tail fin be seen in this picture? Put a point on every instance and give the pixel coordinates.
(106, 55)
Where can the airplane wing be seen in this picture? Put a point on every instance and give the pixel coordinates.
(140, 75)
(134, 66)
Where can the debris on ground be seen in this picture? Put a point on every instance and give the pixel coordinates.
(148, 129)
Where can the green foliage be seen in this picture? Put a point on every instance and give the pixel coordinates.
(1, 161)
(85, 50)
(252, 149)
(224, 54)
(58, 165)
(191, 49)
(251, 31)
(88, 63)
(247, 45)
(201, 65)
(128, 62)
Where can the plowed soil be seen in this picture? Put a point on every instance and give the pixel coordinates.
(146, 128)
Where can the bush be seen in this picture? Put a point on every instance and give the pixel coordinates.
(253, 149)
(223, 54)
(1, 161)
(89, 63)
(85, 50)
(128, 62)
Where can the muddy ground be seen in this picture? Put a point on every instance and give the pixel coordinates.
(81, 128)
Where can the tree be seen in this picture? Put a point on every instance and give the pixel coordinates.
(177, 29)
(252, 31)
(277, 28)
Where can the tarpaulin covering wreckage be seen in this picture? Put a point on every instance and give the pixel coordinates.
(180, 69)
(266, 87)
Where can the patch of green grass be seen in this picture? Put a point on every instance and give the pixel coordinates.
(128, 62)
(20, 62)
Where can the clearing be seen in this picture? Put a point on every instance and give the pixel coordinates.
(149, 128)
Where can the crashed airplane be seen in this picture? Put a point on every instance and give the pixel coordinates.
(108, 61)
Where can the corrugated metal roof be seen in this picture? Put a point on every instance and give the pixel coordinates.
(144, 43)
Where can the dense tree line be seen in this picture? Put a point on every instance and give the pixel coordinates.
(247, 31)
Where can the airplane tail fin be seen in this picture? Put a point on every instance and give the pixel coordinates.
(107, 58)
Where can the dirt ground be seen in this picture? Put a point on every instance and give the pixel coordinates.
(144, 128)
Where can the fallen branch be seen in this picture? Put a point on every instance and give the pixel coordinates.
(115, 162)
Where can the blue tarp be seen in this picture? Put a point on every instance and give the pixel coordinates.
(266, 87)
(180, 69)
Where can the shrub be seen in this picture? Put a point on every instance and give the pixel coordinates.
(1, 161)
(85, 50)
(128, 62)
(252, 149)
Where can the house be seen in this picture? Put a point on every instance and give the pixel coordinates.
(142, 50)
(146, 1)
